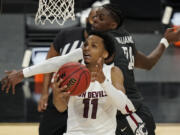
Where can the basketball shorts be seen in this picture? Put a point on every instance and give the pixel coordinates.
(52, 122)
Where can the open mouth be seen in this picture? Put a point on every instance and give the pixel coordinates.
(86, 56)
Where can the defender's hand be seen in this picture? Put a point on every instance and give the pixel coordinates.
(172, 35)
(11, 80)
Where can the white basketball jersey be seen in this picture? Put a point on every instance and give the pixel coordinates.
(92, 113)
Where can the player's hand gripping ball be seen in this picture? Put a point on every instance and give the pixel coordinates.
(76, 76)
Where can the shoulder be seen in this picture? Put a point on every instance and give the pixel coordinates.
(116, 70)
(117, 73)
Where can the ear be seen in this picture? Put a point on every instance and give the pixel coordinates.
(114, 25)
(105, 54)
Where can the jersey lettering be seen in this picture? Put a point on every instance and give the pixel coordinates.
(129, 55)
(125, 39)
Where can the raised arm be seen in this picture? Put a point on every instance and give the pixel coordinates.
(114, 88)
(147, 62)
(116, 91)
(53, 64)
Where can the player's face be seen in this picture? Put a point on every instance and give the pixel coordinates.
(89, 20)
(103, 21)
(93, 49)
(92, 15)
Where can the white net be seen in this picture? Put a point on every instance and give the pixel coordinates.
(55, 10)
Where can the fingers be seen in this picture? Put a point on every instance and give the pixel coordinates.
(8, 87)
(100, 64)
(56, 78)
(13, 89)
(59, 82)
(178, 30)
(170, 29)
(63, 88)
(8, 72)
(95, 75)
(4, 83)
(42, 106)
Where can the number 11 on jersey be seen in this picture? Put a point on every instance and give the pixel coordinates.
(90, 103)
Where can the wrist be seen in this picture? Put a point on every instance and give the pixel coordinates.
(25, 72)
(45, 91)
(21, 75)
(165, 42)
(45, 94)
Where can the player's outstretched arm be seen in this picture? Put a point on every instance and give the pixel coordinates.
(47, 66)
(53, 64)
(147, 62)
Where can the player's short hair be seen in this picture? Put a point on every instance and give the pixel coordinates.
(116, 13)
(109, 42)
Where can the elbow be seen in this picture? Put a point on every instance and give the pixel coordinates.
(62, 109)
(148, 66)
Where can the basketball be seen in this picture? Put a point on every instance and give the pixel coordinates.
(76, 76)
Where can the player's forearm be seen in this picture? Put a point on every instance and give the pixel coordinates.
(60, 102)
(53, 64)
(118, 97)
(154, 56)
(46, 83)
(148, 62)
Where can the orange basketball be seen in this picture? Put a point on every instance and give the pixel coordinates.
(76, 76)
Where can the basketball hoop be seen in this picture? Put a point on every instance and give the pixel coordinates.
(55, 10)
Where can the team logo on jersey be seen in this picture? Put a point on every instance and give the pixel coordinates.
(141, 129)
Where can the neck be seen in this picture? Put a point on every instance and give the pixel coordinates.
(91, 67)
